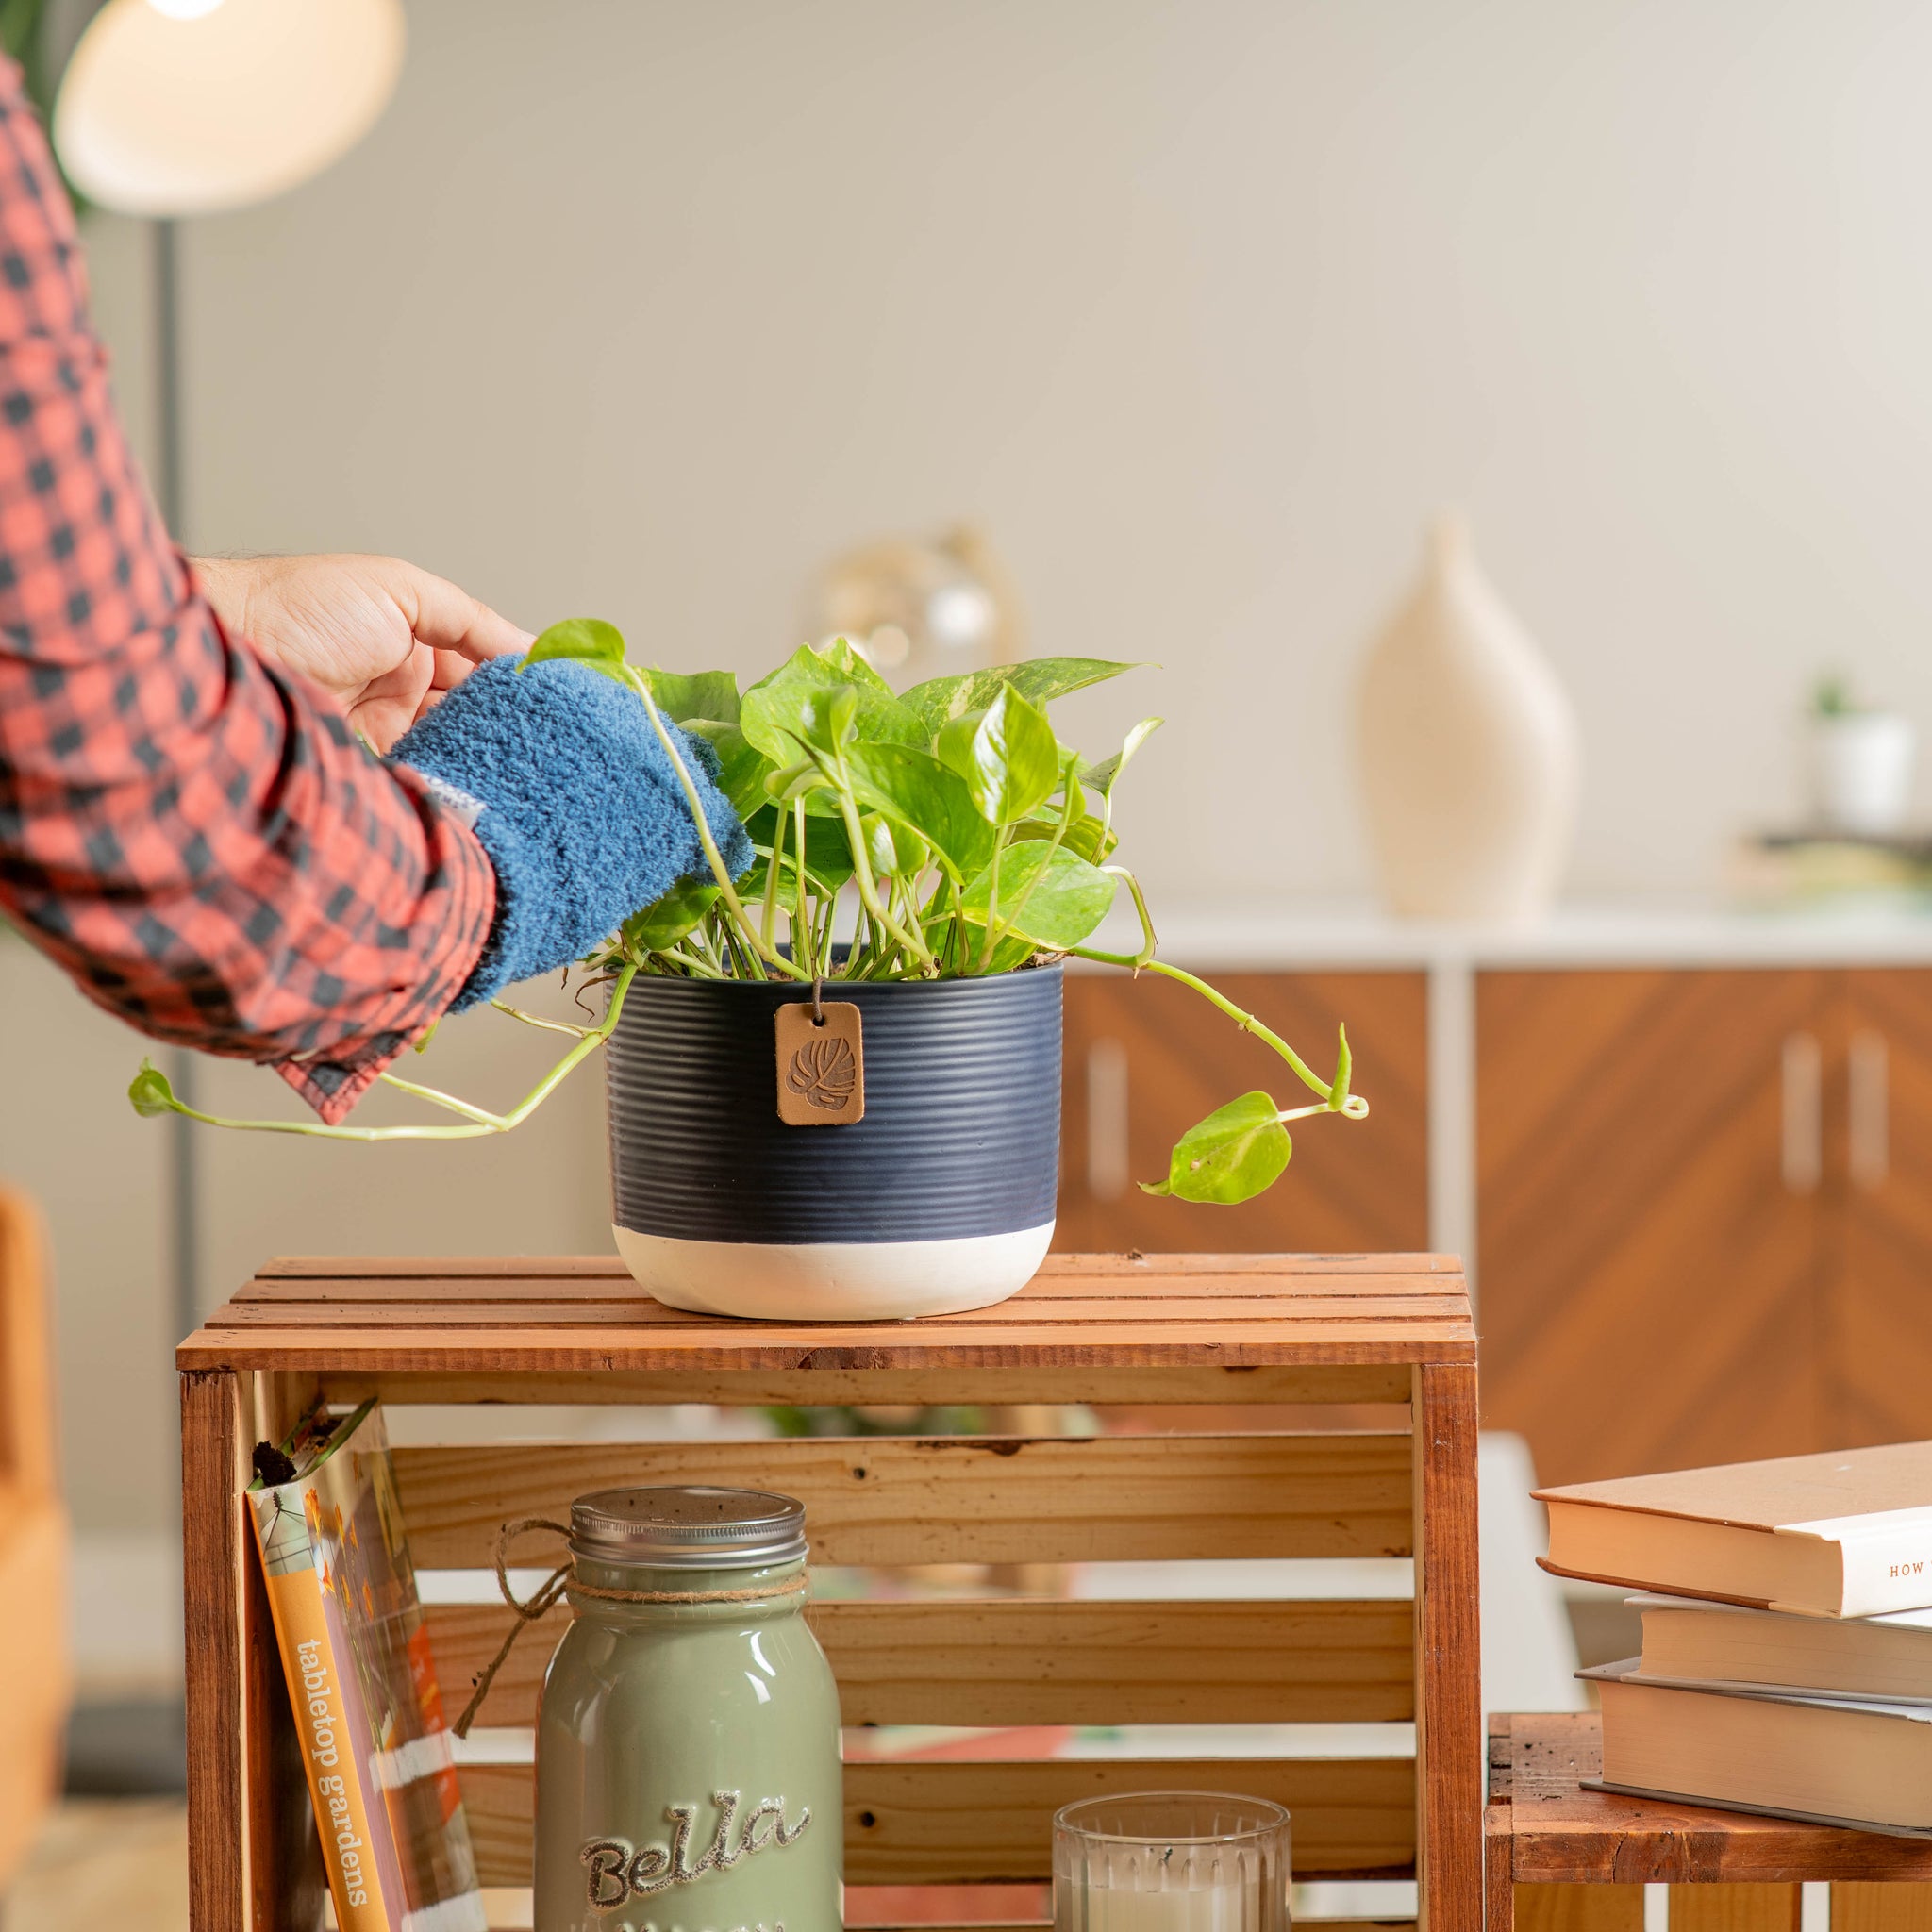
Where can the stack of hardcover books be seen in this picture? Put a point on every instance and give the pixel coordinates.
(1787, 1661)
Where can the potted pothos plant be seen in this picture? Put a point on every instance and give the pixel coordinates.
(834, 1079)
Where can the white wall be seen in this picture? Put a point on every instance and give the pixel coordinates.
(642, 309)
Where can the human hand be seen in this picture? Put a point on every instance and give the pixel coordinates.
(380, 637)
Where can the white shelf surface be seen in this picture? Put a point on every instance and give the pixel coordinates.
(1261, 934)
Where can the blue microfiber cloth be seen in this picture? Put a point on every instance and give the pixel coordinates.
(560, 773)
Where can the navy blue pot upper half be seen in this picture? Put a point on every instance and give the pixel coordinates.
(961, 1128)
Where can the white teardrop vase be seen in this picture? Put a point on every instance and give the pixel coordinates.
(1468, 750)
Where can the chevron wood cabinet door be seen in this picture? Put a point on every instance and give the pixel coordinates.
(1654, 1211)
(1146, 1059)
(1879, 1175)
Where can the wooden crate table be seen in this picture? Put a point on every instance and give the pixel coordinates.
(1234, 1334)
(1564, 1859)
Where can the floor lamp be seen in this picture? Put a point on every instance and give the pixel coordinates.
(176, 108)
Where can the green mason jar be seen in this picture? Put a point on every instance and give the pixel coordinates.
(687, 1770)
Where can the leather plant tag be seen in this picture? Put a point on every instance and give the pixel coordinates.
(821, 1065)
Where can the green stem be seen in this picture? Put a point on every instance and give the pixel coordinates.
(993, 897)
(691, 962)
(774, 866)
(868, 888)
(727, 891)
(1246, 1022)
(436, 1097)
(802, 923)
(1355, 1108)
(993, 935)
(480, 1122)
(1148, 942)
(534, 1020)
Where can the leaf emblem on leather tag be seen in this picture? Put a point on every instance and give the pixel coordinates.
(825, 1072)
(821, 1064)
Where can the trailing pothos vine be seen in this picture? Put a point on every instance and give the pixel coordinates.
(945, 832)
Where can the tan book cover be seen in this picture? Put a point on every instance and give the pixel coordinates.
(1694, 1642)
(1843, 1534)
(1826, 1760)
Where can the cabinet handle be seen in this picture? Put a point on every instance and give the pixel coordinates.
(1870, 1156)
(1804, 1124)
(1108, 1164)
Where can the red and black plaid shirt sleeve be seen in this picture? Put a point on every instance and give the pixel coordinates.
(203, 845)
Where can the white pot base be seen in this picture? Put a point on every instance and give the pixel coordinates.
(835, 1281)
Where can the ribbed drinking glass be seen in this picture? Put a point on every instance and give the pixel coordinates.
(1171, 1861)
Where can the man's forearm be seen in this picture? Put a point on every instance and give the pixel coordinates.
(183, 829)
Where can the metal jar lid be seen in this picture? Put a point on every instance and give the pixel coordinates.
(688, 1526)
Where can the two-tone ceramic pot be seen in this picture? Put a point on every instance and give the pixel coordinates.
(940, 1198)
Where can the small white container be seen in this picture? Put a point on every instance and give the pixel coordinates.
(1861, 772)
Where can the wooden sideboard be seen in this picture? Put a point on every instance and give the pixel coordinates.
(1704, 1205)
(1146, 1059)
(1698, 1161)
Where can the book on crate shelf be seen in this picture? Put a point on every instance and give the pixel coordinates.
(1690, 1640)
(1823, 1760)
(1787, 1659)
(1845, 1534)
(343, 1592)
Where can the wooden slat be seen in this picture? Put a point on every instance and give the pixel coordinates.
(1735, 1908)
(1210, 1385)
(451, 1305)
(942, 1499)
(1046, 1925)
(1043, 1299)
(768, 1345)
(1121, 1268)
(991, 1821)
(1579, 1909)
(1008, 1661)
(1856, 1908)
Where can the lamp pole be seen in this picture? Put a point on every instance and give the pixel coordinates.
(184, 1194)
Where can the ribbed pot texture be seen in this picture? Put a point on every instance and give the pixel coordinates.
(962, 1111)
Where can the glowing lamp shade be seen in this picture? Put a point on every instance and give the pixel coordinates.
(188, 106)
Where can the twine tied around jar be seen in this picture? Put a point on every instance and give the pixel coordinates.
(561, 1580)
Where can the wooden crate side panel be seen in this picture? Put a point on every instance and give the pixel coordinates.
(1450, 1753)
(935, 1499)
(991, 1821)
(1007, 1661)
(212, 1593)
